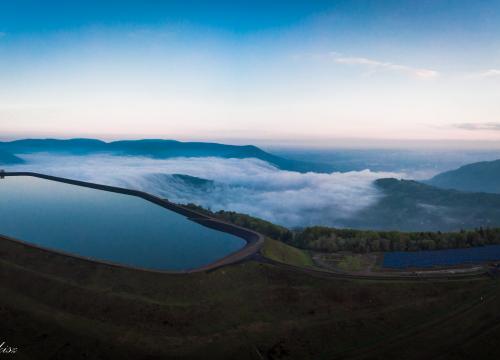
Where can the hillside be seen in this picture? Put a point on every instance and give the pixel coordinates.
(57, 307)
(9, 159)
(413, 206)
(477, 177)
(158, 149)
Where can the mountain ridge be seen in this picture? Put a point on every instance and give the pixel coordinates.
(476, 177)
(409, 205)
(159, 149)
(6, 158)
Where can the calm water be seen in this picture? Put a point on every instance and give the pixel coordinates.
(107, 226)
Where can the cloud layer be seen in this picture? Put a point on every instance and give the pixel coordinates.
(245, 185)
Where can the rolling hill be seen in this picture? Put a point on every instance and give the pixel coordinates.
(413, 206)
(477, 177)
(7, 158)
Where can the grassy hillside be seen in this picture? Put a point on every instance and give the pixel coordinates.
(478, 177)
(54, 307)
(284, 253)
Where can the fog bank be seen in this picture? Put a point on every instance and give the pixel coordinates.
(248, 186)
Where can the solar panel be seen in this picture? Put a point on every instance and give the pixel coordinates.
(449, 257)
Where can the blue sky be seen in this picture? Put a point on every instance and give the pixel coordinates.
(305, 72)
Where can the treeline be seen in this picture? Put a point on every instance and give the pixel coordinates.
(326, 239)
(362, 241)
(264, 227)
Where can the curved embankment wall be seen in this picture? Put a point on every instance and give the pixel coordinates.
(254, 240)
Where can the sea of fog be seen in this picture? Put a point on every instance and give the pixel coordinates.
(248, 186)
(416, 164)
(255, 187)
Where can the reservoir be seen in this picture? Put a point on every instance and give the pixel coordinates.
(107, 226)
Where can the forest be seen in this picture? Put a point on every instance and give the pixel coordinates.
(328, 239)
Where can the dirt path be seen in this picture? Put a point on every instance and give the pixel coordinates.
(378, 277)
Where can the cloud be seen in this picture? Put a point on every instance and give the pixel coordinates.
(249, 186)
(485, 126)
(386, 66)
(491, 73)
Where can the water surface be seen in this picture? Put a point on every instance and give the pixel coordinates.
(107, 226)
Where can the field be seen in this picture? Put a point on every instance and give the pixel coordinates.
(55, 307)
(451, 257)
(281, 252)
(348, 262)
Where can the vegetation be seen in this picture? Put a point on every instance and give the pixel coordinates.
(159, 149)
(264, 227)
(350, 263)
(9, 159)
(326, 239)
(412, 206)
(363, 241)
(279, 251)
(56, 307)
(478, 177)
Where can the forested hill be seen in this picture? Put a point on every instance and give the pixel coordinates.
(477, 177)
(328, 239)
(7, 158)
(412, 206)
(159, 149)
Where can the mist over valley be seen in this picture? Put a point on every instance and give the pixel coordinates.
(251, 181)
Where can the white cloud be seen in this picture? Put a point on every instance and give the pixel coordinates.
(488, 73)
(386, 66)
(249, 186)
(485, 126)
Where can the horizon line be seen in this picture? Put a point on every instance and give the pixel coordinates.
(333, 143)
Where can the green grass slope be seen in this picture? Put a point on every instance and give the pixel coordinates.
(55, 307)
(279, 251)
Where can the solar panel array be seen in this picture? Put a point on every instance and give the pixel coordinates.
(450, 257)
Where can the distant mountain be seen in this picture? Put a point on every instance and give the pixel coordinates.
(72, 146)
(9, 159)
(179, 188)
(193, 180)
(477, 177)
(179, 182)
(159, 149)
(413, 206)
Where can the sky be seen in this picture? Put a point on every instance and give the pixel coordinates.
(314, 73)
